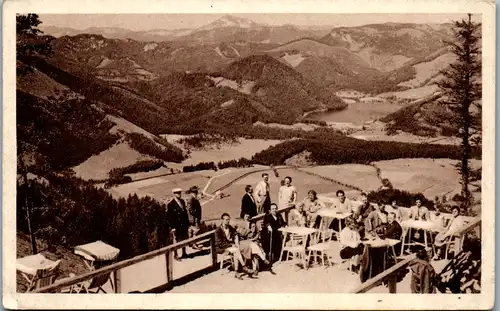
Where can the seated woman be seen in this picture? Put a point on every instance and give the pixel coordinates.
(250, 238)
(227, 240)
(271, 236)
(310, 206)
(453, 225)
(376, 220)
(350, 242)
(297, 217)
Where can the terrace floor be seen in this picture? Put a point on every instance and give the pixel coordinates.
(289, 278)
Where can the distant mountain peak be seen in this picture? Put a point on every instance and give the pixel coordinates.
(230, 21)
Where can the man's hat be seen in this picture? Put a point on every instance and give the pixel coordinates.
(176, 190)
(193, 189)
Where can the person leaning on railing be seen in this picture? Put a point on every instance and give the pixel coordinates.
(423, 275)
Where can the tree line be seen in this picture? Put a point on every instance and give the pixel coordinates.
(70, 212)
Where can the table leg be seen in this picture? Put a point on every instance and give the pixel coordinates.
(340, 225)
(394, 254)
(405, 233)
(285, 236)
(425, 238)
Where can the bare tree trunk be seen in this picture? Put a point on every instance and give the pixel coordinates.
(27, 202)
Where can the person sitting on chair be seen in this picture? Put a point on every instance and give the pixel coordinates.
(226, 240)
(350, 242)
(311, 205)
(376, 220)
(297, 217)
(453, 225)
(250, 238)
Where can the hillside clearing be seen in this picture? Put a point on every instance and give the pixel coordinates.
(98, 166)
(246, 148)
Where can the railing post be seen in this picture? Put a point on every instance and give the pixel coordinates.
(392, 283)
(117, 275)
(213, 250)
(169, 259)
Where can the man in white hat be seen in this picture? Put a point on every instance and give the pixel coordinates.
(178, 219)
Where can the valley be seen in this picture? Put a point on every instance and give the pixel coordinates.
(113, 119)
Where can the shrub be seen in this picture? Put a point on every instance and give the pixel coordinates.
(403, 198)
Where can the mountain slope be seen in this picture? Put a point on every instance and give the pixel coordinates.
(388, 46)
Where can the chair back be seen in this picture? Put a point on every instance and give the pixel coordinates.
(297, 240)
(43, 278)
(99, 281)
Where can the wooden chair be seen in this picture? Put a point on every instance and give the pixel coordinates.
(96, 284)
(226, 257)
(93, 286)
(318, 251)
(42, 278)
(295, 248)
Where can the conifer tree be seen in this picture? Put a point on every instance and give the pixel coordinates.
(461, 89)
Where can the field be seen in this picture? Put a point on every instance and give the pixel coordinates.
(361, 176)
(432, 177)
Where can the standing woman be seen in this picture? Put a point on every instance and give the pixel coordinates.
(287, 195)
(271, 235)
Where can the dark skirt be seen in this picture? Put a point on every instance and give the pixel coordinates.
(349, 252)
(272, 248)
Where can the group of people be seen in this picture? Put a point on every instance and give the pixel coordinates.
(252, 243)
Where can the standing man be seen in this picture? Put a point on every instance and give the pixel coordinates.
(178, 219)
(194, 209)
(261, 195)
(248, 206)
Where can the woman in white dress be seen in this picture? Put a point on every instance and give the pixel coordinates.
(287, 195)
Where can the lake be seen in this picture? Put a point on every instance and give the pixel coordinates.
(358, 112)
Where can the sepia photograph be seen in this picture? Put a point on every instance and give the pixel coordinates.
(244, 152)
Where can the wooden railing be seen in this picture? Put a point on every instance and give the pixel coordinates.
(167, 251)
(389, 274)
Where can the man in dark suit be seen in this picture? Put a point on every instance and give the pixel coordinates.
(178, 219)
(248, 206)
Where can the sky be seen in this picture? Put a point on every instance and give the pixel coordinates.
(139, 22)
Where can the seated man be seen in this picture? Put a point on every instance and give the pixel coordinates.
(376, 220)
(362, 214)
(392, 229)
(453, 225)
(226, 240)
(342, 205)
(350, 242)
(419, 212)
